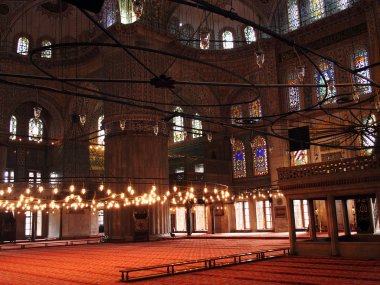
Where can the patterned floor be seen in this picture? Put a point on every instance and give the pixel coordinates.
(99, 264)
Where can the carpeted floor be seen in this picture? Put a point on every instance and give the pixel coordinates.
(100, 264)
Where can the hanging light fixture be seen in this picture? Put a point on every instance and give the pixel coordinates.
(122, 124)
(37, 112)
(209, 136)
(82, 119)
(260, 57)
(301, 72)
(232, 140)
(184, 134)
(138, 8)
(204, 38)
(155, 129)
(356, 96)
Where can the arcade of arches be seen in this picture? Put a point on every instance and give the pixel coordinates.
(157, 117)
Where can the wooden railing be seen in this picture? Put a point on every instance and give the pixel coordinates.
(331, 167)
(200, 264)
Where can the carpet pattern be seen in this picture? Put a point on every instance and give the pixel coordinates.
(100, 264)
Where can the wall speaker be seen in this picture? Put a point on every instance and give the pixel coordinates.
(90, 5)
(299, 138)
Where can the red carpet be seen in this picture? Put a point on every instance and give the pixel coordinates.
(100, 264)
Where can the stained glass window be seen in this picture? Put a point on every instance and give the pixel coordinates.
(127, 16)
(228, 40)
(236, 114)
(238, 156)
(294, 94)
(368, 137)
(260, 157)
(109, 13)
(178, 128)
(101, 132)
(255, 110)
(197, 127)
(327, 69)
(316, 9)
(13, 128)
(343, 4)
(36, 130)
(293, 15)
(23, 46)
(250, 35)
(359, 60)
(299, 157)
(48, 52)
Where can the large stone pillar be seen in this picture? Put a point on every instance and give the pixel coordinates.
(138, 158)
(333, 225)
(312, 231)
(346, 221)
(292, 226)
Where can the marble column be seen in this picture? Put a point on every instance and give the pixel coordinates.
(312, 231)
(346, 221)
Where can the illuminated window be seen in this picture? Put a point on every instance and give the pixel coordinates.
(255, 110)
(242, 216)
(197, 127)
(228, 40)
(39, 224)
(23, 46)
(53, 179)
(238, 156)
(299, 157)
(101, 132)
(200, 218)
(301, 214)
(236, 114)
(34, 178)
(178, 126)
(294, 94)
(327, 69)
(368, 137)
(343, 4)
(316, 9)
(109, 13)
(28, 223)
(13, 127)
(360, 60)
(101, 221)
(250, 35)
(36, 130)
(260, 157)
(199, 168)
(264, 215)
(9, 176)
(127, 15)
(293, 15)
(47, 53)
(180, 218)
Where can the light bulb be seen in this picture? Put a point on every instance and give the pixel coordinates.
(72, 188)
(82, 119)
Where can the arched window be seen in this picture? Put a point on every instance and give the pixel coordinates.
(368, 137)
(238, 156)
(109, 13)
(101, 132)
(294, 94)
(293, 15)
(23, 46)
(255, 110)
(187, 35)
(260, 157)
(342, 4)
(228, 40)
(13, 128)
(249, 34)
(236, 114)
(327, 69)
(127, 15)
(360, 60)
(36, 129)
(178, 128)
(197, 127)
(47, 53)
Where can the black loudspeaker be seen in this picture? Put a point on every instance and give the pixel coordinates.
(90, 5)
(299, 138)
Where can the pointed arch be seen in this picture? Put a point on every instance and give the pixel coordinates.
(238, 157)
(260, 156)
